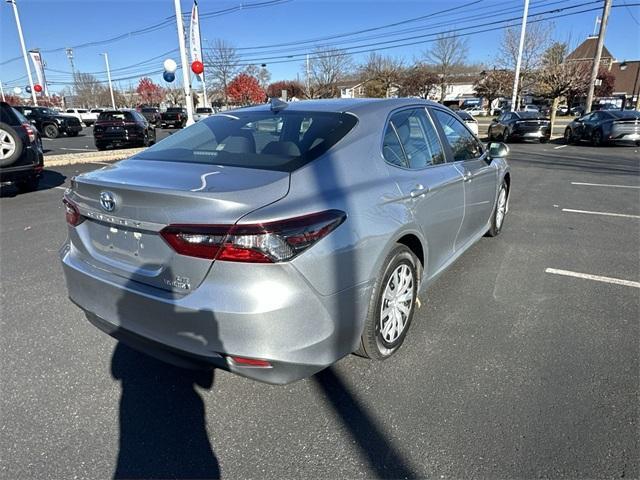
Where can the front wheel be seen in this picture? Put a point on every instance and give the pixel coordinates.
(499, 212)
(568, 136)
(391, 306)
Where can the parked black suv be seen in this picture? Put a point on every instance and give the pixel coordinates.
(21, 156)
(51, 124)
(152, 114)
(123, 128)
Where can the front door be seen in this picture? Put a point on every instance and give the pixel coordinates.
(479, 175)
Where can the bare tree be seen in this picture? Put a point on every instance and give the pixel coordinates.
(222, 61)
(327, 67)
(261, 73)
(536, 42)
(174, 95)
(418, 81)
(494, 84)
(447, 55)
(558, 78)
(88, 90)
(380, 73)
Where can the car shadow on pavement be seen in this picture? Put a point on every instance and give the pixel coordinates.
(381, 455)
(162, 418)
(50, 179)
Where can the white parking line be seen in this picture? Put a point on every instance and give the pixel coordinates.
(603, 185)
(608, 214)
(77, 149)
(597, 278)
(560, 146)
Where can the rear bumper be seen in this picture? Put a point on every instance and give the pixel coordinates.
(31, 164)
(269, 312)
(531, 133)
(71, 128)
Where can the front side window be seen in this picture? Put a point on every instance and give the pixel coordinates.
(416, 137)
(462, 142)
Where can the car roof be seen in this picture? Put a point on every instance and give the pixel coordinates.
(353, 105)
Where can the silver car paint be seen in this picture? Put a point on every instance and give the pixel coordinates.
(302, 315)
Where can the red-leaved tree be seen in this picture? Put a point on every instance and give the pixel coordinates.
(245, 90)
(293, 88)
(13, 99)
(150, 93)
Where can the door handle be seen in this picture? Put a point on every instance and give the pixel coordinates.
(418, 191)
(466, 176)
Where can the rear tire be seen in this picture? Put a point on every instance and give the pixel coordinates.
(10, 145)
(51, 131)
(596, 139)
(392, 305)
(500, 211)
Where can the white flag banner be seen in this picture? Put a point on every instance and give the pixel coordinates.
(36, 58)
(194, 36)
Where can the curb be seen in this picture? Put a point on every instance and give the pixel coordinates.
(89, 157)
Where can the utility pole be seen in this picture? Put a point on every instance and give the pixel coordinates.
(2, 91)
(74, 90)
(106, 61)
(185, 65)
(516, 78)
(308, 80)
(596, 60)
(24, 50)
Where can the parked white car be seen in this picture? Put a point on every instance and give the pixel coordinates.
(476, 111)
(202, 112)
(85, 116)
(530, 108)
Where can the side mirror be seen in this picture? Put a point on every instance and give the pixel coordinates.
(498, 150)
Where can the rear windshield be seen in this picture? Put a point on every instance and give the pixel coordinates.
(11, 116)
(204, 110)
(175, 109)
(283, 141)
(147, 110)
(530, 115)
(115, 116)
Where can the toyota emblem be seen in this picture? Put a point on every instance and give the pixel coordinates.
(108, 201)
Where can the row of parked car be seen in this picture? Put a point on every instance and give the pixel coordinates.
(599, 128)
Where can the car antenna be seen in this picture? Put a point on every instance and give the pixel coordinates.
(277, 105)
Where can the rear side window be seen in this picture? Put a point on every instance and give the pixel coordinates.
(462, 142)
(411, 140)
(283, 141)
(11, 116)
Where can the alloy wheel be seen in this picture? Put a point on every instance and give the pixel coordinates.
(7, 145)
(501, 209)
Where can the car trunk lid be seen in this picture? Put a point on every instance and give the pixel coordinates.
(149, 195)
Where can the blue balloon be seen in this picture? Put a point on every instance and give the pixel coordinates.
(27, 89)
(169, 76)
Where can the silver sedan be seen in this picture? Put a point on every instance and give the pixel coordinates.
(274, 240)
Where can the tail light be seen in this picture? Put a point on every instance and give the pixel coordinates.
(257, 243)
(72, 213)
(30, 132)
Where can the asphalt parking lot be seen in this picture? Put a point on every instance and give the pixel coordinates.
(84, 142)
(522, 362)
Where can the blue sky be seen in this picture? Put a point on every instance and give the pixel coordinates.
(52, 24)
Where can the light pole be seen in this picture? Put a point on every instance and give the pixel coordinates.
(2, 91)
(24, 50)
(106, 61)
(185, 65)
(516, 77)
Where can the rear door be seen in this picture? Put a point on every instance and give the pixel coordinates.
(431, 188)
(479, 175)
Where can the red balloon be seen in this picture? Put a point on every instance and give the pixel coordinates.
(37, 88)
(197, 67)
